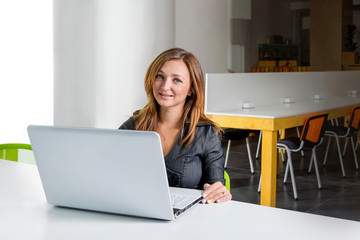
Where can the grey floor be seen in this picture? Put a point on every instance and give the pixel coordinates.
(339, 197)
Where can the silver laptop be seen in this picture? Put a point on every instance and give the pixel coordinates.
(115, 171)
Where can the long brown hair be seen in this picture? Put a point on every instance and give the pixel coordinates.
(147, 118)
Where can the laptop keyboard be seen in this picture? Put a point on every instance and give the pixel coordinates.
(178, 199)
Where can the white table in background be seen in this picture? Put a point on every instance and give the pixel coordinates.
(227, 92)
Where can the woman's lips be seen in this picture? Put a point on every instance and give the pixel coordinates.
(165, 95)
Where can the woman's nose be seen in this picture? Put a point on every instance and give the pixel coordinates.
(166, 84)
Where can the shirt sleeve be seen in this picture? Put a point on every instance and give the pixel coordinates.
(128, 124)
(213, 161)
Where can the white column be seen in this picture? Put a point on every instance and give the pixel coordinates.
(102, 51)
(201, 27)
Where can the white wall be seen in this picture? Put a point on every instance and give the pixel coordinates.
(102, 51)
(104, 47)
(26, 67)
(202, 27)
(240, 34)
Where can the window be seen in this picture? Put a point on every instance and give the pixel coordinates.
(26, 67)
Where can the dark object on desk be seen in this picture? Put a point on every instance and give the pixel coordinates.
(237, 134)
(344, 132)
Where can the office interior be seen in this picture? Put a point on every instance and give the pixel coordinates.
(95, 53)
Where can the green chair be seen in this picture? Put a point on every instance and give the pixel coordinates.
(10, 151)
(227, 180)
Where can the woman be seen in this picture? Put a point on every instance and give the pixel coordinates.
(174, 84)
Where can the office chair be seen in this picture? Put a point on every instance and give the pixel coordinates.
(10, 151)
(311, 137)
(237, 134)
(344, 132)
(282, 156)
(356, 143)
(227, 180)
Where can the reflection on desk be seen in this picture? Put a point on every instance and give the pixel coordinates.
(25, 214)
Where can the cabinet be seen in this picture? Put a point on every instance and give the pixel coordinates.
(278, 58)
(277, 52)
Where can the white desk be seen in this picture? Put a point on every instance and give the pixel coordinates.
(24, 214)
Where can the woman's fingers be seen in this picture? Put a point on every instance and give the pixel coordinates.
(224, 197)
(215, 193)
(206, 186)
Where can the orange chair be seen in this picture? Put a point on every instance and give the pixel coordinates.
(311, 137)
(344, 132)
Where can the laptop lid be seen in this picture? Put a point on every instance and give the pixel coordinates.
(116, 171)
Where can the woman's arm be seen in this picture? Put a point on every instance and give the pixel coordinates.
(213, 169)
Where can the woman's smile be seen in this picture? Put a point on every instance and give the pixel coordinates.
(164, 95)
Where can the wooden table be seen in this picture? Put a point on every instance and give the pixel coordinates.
(270, 119)
(226, 93)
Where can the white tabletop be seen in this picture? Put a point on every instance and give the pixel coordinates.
(296, 108)
(25, 214)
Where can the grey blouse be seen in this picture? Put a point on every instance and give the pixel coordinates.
(199, 163)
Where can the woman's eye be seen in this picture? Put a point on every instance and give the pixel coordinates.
(177, 80)
(159, 77)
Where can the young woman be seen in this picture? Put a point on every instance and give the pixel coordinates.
(174, 84)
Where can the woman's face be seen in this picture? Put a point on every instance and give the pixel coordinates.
(172, 84)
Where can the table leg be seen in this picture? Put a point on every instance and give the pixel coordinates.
(268, 168)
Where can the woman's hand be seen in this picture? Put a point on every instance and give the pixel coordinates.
(215, 193)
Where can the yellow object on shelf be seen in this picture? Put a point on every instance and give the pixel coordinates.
(290, 63)
(349, 58)
(267, 63)
(281, 69)
(351, 67)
